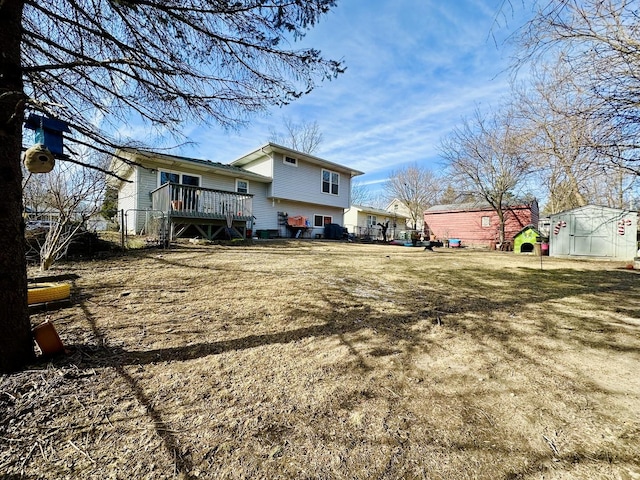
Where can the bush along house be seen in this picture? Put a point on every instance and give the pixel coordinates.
(173, 196)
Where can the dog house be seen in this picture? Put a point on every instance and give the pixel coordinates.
(525, 240)
(595, 231)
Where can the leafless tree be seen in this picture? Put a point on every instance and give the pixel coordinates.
(416, 187)
(486, 157)
(559, 136)
(304, 137)
(451, 195)
(70, 195)
(165, 62)
(360, 194)
(599, 43)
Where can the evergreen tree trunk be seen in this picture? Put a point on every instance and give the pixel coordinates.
(16, 344)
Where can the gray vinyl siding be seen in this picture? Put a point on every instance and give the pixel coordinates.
(207, 180)
(303, 183)
(217, 182)
(148, 179)
(266, 211)
(148, 183)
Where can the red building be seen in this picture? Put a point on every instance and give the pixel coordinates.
(476, 224)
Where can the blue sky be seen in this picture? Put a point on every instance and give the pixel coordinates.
(414, 69)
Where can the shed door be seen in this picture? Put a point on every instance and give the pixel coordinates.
(591, 236)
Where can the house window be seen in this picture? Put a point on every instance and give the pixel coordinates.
(330, 182)
(169, 177)
(321, 220)
(242, 186)
(190, 180)
(290, 161)
(486, 222)
(185, 198)
(371, 220)
(183, 179)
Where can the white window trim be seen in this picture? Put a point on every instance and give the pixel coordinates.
(180, 174)
(291, 164)
(241, 180)
(322, 217)
(482, 222)
(331, 172)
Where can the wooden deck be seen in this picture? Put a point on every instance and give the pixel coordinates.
(213, 214)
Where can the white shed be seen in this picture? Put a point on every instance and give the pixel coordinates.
(594, 231)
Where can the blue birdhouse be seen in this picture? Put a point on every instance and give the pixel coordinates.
(48, 132)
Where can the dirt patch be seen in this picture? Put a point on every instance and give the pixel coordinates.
(333, 360)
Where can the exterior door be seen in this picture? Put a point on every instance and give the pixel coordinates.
(591, 236)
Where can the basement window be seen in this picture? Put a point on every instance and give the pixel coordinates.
(321, 220)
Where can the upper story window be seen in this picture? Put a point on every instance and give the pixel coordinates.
(181, 178)
(486, 222)
(330, 182)
(290, 161)
(242, 186)
(372, 220)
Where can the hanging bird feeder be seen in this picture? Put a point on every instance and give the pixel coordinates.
(40, 158)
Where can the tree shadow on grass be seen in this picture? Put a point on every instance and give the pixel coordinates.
(467, 301)
(475, 292)
(182, 463)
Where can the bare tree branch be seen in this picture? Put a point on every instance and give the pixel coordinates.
(304, 137)
(416, 187)
(486, 156)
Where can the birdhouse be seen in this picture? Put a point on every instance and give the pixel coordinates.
(48, 132)
(38, 159)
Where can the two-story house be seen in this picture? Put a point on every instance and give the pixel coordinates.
(258, 192)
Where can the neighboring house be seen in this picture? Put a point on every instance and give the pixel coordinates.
(477, 224)
(255, 193)
(400, 211)
(362, 221)
(33, 214)
(595, 231)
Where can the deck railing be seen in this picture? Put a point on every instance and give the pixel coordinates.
(185, 200)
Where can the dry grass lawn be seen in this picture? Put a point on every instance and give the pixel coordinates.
(319, 360)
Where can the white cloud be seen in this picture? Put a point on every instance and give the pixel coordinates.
(414, 69)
